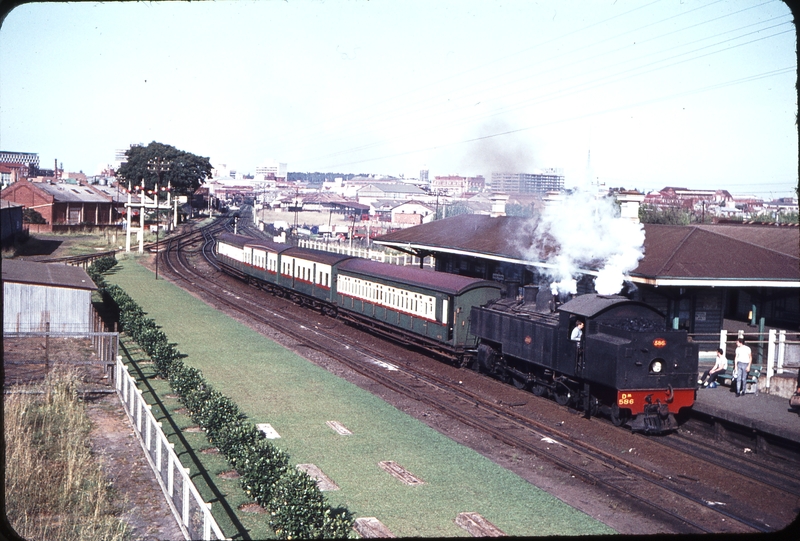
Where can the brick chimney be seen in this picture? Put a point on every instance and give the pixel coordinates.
(498, 204)
(629, 202)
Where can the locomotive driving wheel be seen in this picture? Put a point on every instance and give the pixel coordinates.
(619, 416)
(519, 381)
(563, 394)
(539, 389)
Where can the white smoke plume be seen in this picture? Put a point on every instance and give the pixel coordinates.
(584, 231)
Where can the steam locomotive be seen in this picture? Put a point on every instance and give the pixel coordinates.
(628, 365)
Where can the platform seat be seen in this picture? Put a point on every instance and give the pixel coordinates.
(751, 386)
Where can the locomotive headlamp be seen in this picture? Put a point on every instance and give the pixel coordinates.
(656, 366)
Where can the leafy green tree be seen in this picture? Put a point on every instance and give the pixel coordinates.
(776, 217)
(31, 216)
(183, 170)
(525, 211)
(453, 209)
(667, 216)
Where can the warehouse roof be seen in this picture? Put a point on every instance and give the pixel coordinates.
(64, 192)
(47, 274)
(673, 255)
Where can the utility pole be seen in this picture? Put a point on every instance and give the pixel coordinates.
(159, 166)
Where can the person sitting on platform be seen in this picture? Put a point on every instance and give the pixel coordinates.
(709, 378)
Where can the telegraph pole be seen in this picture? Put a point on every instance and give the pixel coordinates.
(159, 166)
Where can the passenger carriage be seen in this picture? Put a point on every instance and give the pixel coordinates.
(309, 276)
(428, 308)
(253, 260)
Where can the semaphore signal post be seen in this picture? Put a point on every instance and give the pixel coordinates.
(145, 202)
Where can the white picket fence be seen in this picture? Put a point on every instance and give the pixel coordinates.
(192, 513)
(374, 255)
(775, 356)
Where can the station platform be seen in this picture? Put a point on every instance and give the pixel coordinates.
(764, 413)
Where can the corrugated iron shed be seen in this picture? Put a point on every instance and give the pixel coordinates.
(48, 274)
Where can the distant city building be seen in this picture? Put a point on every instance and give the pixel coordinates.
(271, 170)
(222, 170)
(423, 175)
(457, 186)
(671, 197)
(19, 164)
(120, 156)
(400, 192)
(782, 204)
(541, 181)
(21, 158)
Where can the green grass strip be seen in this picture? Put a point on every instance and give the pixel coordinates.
(274, 385)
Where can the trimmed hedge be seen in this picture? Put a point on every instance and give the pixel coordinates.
(296, 507)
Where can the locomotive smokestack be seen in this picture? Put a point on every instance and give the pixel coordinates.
(529, 294)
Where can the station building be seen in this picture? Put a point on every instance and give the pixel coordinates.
(704, 278)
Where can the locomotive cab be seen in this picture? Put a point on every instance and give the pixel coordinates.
(645, 370)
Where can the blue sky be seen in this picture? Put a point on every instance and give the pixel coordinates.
(666, 93)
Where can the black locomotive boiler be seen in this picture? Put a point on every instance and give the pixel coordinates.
(627, 365)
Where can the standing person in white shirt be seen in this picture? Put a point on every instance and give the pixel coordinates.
(741, 365)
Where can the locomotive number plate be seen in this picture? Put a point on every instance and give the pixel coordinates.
(659, 342)
(625, 399)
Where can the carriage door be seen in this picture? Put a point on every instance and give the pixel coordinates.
(448, 318)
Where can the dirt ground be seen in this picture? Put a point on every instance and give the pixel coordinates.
(124, 461)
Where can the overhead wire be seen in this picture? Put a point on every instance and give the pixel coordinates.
(577, 117)
(539, 99)
(621, 76)
(394, 113)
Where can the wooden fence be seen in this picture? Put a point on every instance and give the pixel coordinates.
(192, 513)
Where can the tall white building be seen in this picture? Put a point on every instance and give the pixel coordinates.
(271, 170)
(120, 157)
(540, 181)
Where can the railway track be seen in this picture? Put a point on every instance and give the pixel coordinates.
(677, 500)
